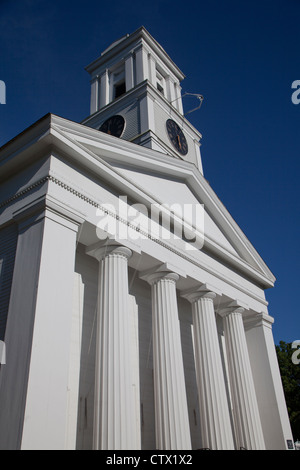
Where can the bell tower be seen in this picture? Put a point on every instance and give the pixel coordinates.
(136, 96)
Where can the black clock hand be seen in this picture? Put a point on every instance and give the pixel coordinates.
(178, 140)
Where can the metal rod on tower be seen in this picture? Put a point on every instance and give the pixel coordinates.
(200, 97)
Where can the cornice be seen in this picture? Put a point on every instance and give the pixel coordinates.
(24, 192)
(141, 34)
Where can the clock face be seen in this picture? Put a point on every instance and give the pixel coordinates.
(177, 137)
(113, 125)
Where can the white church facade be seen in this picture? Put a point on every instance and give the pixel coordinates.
(133, 307)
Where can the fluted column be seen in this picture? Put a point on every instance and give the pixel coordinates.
(248, 428)
(113, 408)
(171, 412)
(216, 430)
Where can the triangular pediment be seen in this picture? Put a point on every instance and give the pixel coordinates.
(147, 175)
(167, 180)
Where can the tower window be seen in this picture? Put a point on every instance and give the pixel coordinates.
(160, 82)
(120, 89)
(117, 82)
(160, 88)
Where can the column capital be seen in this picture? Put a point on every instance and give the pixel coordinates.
(236, 307)
(100, 250)
(156, 276)
(165, 271)
(205, 291)
(104, 73)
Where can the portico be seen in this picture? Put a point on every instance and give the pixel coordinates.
(229, 419)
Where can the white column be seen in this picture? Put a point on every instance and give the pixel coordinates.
(114, 396)
(129, 73)
(152, 70)
(248, 427)
(94, 95)
(104, 89)
(171, 412)
(141, 64)
(171, 91)
(216, 430)
(147, 117)
(178, 103)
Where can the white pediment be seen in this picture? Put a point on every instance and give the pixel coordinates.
(146, 174)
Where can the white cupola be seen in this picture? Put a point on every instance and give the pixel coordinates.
(136, 96)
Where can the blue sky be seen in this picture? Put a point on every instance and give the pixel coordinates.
(242, 56)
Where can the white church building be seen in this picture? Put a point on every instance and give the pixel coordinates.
(132, 306)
